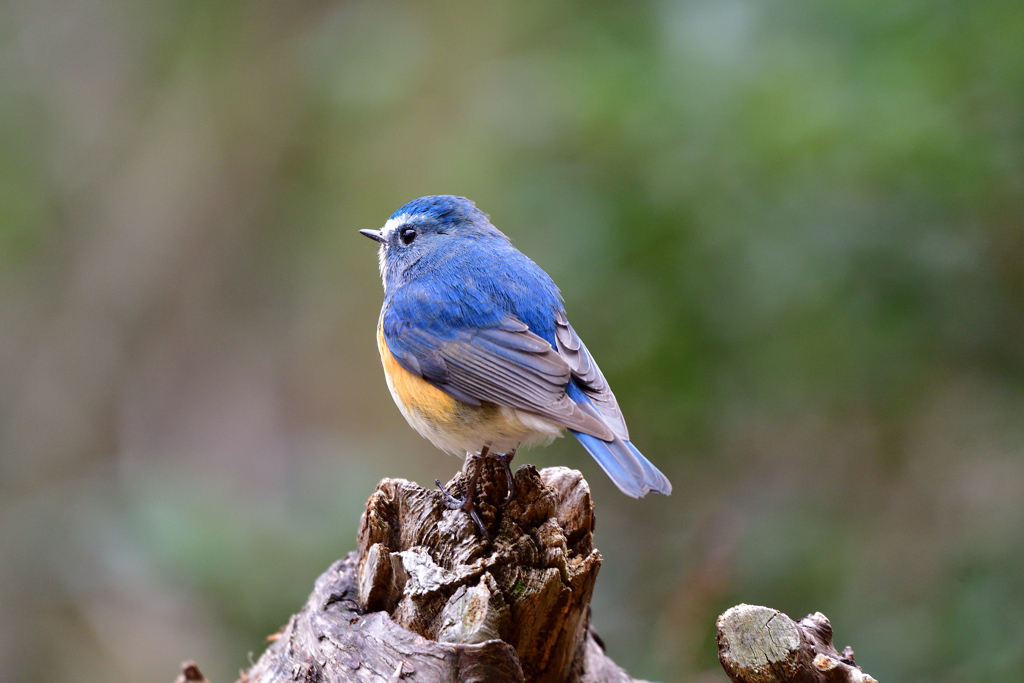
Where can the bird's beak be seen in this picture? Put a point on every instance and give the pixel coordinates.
(373, 235)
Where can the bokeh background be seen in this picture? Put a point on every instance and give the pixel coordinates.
(791, 232)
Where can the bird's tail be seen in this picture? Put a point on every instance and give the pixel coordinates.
(628, 468)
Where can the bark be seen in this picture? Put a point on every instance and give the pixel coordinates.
(427, 597)
(763, 645)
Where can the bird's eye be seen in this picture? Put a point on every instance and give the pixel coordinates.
(408, 234)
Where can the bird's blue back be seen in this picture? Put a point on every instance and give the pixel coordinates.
(480, 281)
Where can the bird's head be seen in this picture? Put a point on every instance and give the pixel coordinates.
(426, 232)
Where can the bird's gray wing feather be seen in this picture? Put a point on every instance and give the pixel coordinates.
(588, 375)
(508, 365)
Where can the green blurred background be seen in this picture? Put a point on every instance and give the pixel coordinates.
(792, 233)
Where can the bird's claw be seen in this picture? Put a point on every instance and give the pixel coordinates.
(450, 501)
(466, 503)
(506, 461)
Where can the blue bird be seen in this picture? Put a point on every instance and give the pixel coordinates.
(477, 350)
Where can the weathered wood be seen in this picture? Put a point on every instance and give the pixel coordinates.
(763, 645)
(426, 597)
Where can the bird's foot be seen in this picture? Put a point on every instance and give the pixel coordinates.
(466, 502)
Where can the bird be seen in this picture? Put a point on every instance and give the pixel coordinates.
(478, 352)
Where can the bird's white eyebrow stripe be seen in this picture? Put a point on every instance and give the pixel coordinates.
(394, 223)
(389, 227)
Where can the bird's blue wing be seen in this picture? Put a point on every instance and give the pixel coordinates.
(475, 352)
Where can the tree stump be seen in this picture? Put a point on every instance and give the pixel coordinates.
(763, 645)
(427, 597)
